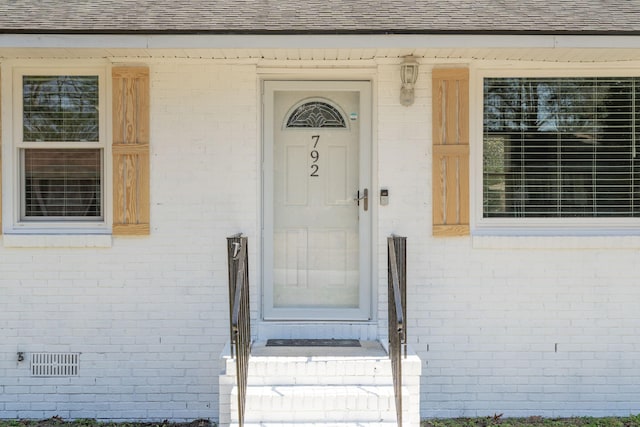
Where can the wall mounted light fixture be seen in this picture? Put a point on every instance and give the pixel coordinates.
(408, 75)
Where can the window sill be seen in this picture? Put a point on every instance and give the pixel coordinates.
(568, 240)
(56, 240)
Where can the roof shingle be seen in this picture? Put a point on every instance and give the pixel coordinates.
(321, 17)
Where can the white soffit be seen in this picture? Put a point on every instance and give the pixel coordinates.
(255, 55)
(325, 47)
(304, 41)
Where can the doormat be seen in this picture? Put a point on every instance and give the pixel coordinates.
(312, 343)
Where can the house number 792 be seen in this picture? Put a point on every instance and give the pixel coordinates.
(315, 156)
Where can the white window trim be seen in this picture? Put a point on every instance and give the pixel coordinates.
(12, 144)
(505, 227)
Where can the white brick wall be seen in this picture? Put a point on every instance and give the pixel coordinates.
(148, 314)
(486, 320)
(500, 330)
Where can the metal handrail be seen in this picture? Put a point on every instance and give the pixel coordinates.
(397, 291)
(239, 315)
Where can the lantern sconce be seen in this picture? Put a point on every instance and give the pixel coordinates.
(408, 75)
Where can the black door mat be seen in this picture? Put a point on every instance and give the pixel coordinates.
(312, 343)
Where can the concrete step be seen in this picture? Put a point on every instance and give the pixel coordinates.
(311, 403)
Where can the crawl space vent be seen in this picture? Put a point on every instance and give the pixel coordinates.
(54, 364)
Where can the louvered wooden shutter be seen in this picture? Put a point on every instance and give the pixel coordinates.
(450, 152)
(130, 150)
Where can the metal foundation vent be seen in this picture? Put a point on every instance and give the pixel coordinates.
(54, 364)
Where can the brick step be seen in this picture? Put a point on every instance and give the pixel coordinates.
(272, 365)
(316, 370)
(289, 388)
(305, 403)
(309, 371)
(328, 424)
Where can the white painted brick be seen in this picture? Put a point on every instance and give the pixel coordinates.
(485, 305)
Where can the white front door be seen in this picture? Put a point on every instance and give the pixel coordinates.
(316, 232)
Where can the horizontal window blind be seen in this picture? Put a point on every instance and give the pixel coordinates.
(561, 147)
(60, 108)
(62, 183)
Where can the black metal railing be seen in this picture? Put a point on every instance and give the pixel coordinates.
(397, 291)
(239, 315)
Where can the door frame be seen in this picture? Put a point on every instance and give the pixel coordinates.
(365, 310)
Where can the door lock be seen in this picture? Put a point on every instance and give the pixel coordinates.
(364, 197)
(384, 197)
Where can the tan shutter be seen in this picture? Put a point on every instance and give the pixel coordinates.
(130, 150)
(451, 152)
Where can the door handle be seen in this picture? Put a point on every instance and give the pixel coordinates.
(364, 197)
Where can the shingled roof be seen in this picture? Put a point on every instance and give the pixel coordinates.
(320, 16)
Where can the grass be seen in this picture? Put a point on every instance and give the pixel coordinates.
(499, 421)
(494, 421)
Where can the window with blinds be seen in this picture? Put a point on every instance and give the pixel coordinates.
(61, 164)
(62, 183)
(561, 147)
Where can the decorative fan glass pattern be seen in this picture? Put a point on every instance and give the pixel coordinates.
(316, 114)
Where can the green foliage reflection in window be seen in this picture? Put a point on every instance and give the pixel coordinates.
(561, 147)
(60, 108)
